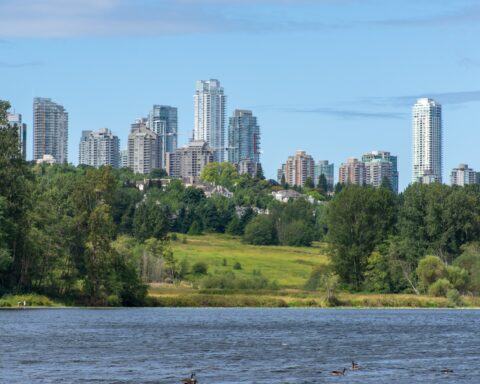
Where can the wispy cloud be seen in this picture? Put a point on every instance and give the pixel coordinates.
(4, 64)
(468, 62)
(459, 16)
(348, 114)
(52, 18)
(447, 98)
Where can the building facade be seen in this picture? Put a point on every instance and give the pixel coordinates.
(163, 120)
(124, 158)
(244, 141)
(209, 119)
(189, 160)
(427, 141)
(15, 121)
(143, 148)
(463, 175)
(376, 165)
(99, 148)
(322, 167)
(50, 130)
(298, 168)
(352, 172)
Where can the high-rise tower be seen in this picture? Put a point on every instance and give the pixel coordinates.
(15, 120)
(209, 124)
(99, 148)
(163, 120)
(427, 141)
(50, 130)
(244, 141)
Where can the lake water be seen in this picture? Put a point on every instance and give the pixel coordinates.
(156, 345)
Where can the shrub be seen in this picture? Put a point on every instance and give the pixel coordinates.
(195, 229)
(440, 287)
(184, 268)
(458, 277)
(230, 281)
(200, 268)
(454, 298)
(237, 266)
(260, 231)
(297, 233)
(174, 237)
(429, 270)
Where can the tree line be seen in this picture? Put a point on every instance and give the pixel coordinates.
(90, 236)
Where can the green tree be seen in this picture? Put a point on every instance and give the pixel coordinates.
(15, 187)
(309, 183)
(259, 174)
(359, 219)
(297, 233)
(224, 174)
(469, 260)
(429, 270)
(322, 184)
(260, 231)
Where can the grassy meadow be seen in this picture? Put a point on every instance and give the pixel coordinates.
(290, 267)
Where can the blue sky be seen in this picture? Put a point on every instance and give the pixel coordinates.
(336, 78)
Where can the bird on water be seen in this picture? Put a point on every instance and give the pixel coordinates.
(339, 373)
(355, 366)
(190, 380)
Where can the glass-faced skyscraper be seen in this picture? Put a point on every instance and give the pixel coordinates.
(163, 120)
(50, 130)
(15, 120)
(244, 141)
(427, 141)
(209, 120)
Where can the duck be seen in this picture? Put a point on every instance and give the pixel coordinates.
(339, 373)
(446, 370)
(190, 380)
(355, 366)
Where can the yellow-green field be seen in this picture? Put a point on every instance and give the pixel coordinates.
(290, 267)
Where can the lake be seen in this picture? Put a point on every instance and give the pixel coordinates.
(161, 345)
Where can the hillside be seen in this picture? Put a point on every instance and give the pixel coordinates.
(288, 266)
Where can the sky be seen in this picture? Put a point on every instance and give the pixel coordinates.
(336, 78)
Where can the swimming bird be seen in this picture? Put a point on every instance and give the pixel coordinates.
(339, 373)
(190, 380)
(355, 366)
(446, 370)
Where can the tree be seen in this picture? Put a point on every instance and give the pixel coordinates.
(297, 233)
(158, 173)
(359, 219)
(309, 183)
(260, 231)
(15, 187)
(429, 270)
(259, 174)
(322, 184)
(469, 260)
(224, 174)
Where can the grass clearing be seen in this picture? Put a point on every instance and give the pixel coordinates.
(290, 267)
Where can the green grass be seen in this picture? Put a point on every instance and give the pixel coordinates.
(290, 267)
(32, 300)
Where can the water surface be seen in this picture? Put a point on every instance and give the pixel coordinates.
(155, 345)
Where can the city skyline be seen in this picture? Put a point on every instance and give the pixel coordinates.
(336, 79)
